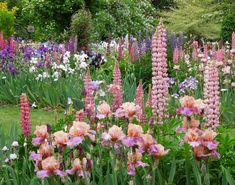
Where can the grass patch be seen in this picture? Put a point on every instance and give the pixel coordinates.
(10, 115)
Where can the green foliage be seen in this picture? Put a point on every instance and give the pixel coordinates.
(7, 18)
(228, 24)
(124, 17)
(201, 18)
(81, 26)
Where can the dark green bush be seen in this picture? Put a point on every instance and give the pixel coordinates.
(228, 25)
(7, 18)
(81, 26)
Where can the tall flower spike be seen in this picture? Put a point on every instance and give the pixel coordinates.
(149, 100)
(176, 55)
(140, 52)
(211, 94)
(117, 81)
(89, 101)
(25, 118)
(233, 43)
(139, 101)
(159, 73)
(120, 54)
(195, 46)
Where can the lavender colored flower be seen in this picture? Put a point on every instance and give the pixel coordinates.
(11, 68)
(180, 40)
(171, 81)
(147, 42)
(28, 52)
(140, 44)
(173, 41)
(188, 84)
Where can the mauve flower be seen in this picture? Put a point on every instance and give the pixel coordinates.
(61, 138)
(134, 134)
(41, 134)
(190, 106)
(134, 161)
(50, 166)
(77, 167)
(104, 110)
(147, 142)
(114, 134)
(158, 151)
(192, 136)
(78, 132)
(45, 150)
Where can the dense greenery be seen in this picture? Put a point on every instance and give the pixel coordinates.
(7, 18)
(228, 24)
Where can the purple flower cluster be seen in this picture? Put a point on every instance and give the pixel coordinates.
(188, 84)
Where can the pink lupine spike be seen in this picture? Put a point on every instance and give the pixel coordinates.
(211, 94)
(1, 41)
(89, 101)
(120, 54)
(205, 52)
(12, 44)
(132, 53)
(80, 115)
(181, 53)
(25, 117)
(159, 71)
(195, 53)
(233, 42)
(176, 55)
(149, 100)
(139, 101)
(117, 81)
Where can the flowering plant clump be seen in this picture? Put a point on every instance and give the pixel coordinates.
(200, 138)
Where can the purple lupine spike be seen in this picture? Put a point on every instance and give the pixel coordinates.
(180, 40)
(173, 41)
(147, 42)
(140, 44)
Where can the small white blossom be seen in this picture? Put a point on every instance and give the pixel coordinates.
(34, 105)
(4, 149)
(4, 77)
(13, 156)
(15, 144)
(6, 160)
(32, 69)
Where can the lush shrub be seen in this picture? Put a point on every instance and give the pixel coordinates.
(200, 19)
(81, 26)
(7, 18)
(228, 25)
